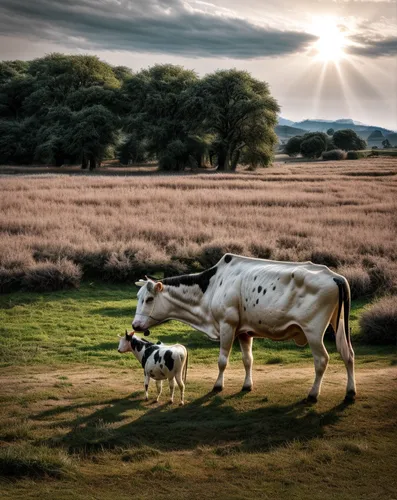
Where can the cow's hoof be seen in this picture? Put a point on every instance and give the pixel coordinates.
(350, 397)
(310, 400)
(171, 402)
(246, 388)
(217, 388)
(181, 403)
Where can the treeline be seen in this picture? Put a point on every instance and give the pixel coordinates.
(330, 145)
(77, 109)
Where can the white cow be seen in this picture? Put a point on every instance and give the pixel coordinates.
(159, 361)
(244, 297)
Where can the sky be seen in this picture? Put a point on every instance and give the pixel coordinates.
(327, 59)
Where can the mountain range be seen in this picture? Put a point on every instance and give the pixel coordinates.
(287, 128)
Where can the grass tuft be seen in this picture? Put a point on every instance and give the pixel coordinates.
(34, 461)
(379, 322)
(140, 454)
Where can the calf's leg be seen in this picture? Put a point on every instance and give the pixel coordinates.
(179, 381)
(159, 385)
(171, 381)
(147, 380)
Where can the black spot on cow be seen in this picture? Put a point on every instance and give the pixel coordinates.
(136, 344)
(220, 284)
(259, 289)
(200, 279)
(264, 291)
(148, 352)
(274, 288)
(169, 360)
(253, 290)
(257, 301)
(293, 275)
(157, 357)
(246, 299)
(255, 278)
(228, 258)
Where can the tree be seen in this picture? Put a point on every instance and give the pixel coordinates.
(348, 140)
(330, 132)
(229, 105)
(293, 146)
(313, 147)
(92, 131)
(157, 112)
(386, 143)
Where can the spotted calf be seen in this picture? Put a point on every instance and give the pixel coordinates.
(159, 362)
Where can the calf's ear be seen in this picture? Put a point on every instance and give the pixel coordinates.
(158, 287)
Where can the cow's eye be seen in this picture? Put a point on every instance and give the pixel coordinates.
(150, 299)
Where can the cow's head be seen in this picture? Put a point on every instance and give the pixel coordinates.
(151, 309)
(125, 342)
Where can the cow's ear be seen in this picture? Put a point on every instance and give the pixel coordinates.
(140, 283)
(158, 287)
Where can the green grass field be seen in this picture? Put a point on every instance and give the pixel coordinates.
(74, 424)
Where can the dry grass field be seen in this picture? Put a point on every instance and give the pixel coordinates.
(342, 214)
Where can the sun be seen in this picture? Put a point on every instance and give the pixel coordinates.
(331, 40)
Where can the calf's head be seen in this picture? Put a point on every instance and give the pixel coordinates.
(150, 309)
(125, 342)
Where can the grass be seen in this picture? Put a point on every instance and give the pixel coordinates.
(81, 326)
(74, 419)
(53, 228)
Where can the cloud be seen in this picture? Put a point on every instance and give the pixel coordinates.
(194, 28)
(369, 46)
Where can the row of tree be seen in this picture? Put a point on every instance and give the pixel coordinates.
(61, 108)
(314, 144)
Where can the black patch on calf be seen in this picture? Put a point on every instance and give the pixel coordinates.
(228, 258)
(259, 289)
(136, 344)
(157, 357)
(148, 352)
(220, 284)
(257, 301)
(255, 278)
(264, 291)
(169, 360)
(274, 288)
(200, 279)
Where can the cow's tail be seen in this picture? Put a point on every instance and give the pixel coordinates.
(345, 301)
(185, 367)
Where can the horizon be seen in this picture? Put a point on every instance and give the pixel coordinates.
(325, 58)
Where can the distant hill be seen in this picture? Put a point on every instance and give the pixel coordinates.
(285, 132)
(284, 121)
(319, 125)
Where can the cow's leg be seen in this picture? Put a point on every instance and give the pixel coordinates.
(147, 380)
(179, 381)
(171, 381)
(246, 349)
(159, 385)
(227, 337)
(321, 359)
(345, 349)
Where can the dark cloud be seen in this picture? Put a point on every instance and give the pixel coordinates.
(174, 27)
(373, 47)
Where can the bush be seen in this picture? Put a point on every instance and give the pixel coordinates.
(51, 276)
(10, 279)
(293, 146)
(359, 281)
(348, 140)
(334, 154)
(354, 155)
(312, 147)
(378, 324)
(325, 258)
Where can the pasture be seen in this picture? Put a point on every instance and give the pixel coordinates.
(73, 420)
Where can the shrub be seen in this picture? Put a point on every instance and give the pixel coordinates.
(334, 154)
(51, 276)
(10, 279)
(382, 274)
(260, 251)
(293, 146)
(326, 258)
(312, 147)
(378, 324)
(348, 140)
(359, 281)
(212, 253)
(352, 155)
